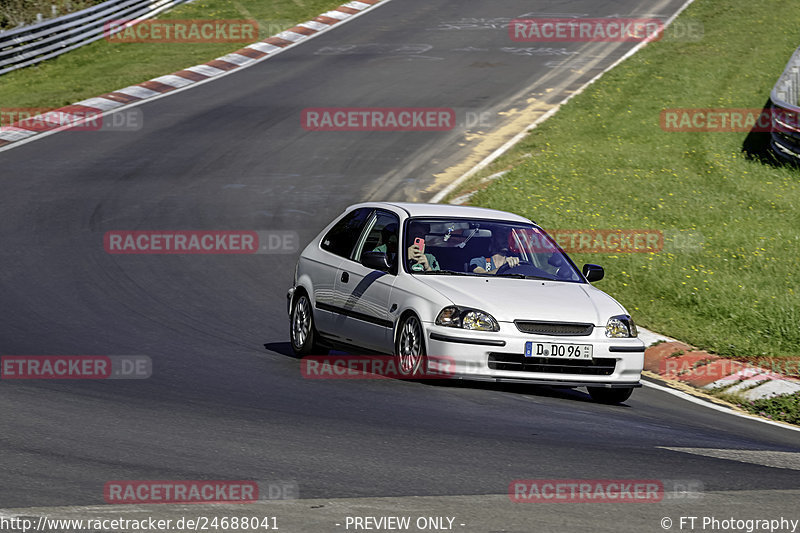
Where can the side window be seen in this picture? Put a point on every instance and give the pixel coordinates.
(342, 237)
(382, 236)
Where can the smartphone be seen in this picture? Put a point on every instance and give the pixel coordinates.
(419, 242)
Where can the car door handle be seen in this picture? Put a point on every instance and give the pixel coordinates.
(345, 277)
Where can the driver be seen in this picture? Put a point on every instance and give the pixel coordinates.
(499, 254)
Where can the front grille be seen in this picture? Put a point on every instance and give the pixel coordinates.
(601, 366)
(554, 328)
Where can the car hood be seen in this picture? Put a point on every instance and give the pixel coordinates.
(509, 299)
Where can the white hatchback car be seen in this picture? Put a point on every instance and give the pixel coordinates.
(488, 291)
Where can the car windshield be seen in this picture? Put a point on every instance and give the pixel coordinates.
(476, 247)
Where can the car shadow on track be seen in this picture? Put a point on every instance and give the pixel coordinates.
(545, 391)
(283, 348)
(564, 393)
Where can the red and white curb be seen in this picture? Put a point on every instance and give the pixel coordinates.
(692, 375)
(90, 109)
(677, 361)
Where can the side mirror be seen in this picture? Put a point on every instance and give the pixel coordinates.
(376, 261)
(593, 272)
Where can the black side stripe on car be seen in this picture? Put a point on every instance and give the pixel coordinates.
(355, 314)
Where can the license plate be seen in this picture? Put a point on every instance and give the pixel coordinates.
(562, 351)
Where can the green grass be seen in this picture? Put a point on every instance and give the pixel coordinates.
(20, 12)
(104, 66)
(727, 279)
(781, 408)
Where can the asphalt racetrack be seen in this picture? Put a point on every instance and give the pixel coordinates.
(226, 400)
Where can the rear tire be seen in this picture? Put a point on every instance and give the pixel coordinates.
(409, 348)
(609, 395)
(302, 334)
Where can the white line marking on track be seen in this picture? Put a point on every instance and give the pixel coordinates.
(770, 458)
(698, 401)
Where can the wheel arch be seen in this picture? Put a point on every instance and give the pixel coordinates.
(400, 319)
(299, 289)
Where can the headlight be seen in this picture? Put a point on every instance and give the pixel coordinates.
(621, 326)
(466, 318)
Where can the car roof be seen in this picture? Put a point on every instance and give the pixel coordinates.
(446, 210)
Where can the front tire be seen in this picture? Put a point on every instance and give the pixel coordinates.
(609, 395)
(302, 334)
(409, 350)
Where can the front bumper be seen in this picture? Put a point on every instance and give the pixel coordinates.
(499, 356)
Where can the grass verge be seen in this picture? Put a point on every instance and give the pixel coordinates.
(726, 278)
(104, 66)
(781, 408)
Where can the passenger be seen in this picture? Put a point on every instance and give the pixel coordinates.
(388, 242)
(419, 261)
(500, 254)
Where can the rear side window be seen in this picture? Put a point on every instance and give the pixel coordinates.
(342, 237)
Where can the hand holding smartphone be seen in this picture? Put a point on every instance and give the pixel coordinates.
(419, 242)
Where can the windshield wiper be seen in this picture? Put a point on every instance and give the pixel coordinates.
(522, 276)
(452, 272)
